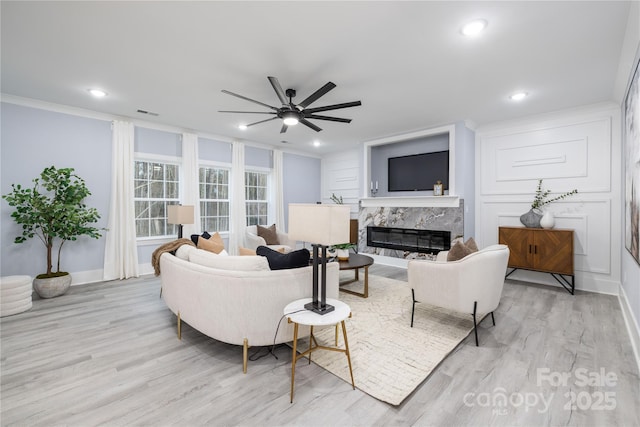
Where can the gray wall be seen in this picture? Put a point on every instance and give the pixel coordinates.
(301, 177)
(33, 139)
(380, 155)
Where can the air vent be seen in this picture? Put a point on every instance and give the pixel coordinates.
(148, 113)
(284, 142)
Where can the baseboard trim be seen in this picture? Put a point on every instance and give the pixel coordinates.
(387, 260)
(632, 324)
(93, 276)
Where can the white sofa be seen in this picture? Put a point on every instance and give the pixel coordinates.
(252, 240)
(235, 306)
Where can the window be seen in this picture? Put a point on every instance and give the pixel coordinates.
(255, 195)
(214, 199)
(156, 186)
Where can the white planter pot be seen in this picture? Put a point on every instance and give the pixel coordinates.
(342, 254)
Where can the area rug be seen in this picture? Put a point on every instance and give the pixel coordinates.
(389, 358)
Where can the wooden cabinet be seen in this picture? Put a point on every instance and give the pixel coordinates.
(545, 250)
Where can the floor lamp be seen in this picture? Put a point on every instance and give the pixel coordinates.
(178, 214)
(322, 226)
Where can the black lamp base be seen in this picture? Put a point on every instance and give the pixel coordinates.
(317, 307)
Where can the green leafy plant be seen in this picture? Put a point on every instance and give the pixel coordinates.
(343, 246)
(53, 210)
(335, 199)
(542, 199)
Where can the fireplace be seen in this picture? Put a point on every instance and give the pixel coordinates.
(409, 239)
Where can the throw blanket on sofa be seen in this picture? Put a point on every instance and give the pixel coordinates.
(167, 247)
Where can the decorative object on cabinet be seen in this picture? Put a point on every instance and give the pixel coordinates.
(548, 220)
(532, 218)
(547, 251)
(632, 166)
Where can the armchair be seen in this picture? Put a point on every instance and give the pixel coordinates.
(471, 285)
(252, 240)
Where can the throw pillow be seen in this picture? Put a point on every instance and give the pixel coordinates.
(246, 252)
(194, 237)
(268, 234)
(458, 251)
(471, 244)
(241, 263)
(280, 261)
(214, 244)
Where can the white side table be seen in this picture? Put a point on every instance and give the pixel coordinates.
(297, 315)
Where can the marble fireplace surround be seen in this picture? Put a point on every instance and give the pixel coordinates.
(426, 218)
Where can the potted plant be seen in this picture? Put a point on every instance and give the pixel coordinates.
(342, 250)
(53, 210)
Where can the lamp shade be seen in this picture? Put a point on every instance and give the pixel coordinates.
(178, 214)
(321, 224)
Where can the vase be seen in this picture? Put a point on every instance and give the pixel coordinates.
(531, 219)
(547, 220)
(52, 287)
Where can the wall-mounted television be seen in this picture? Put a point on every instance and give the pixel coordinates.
(419, 172)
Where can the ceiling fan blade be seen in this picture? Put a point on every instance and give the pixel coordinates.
(317, 94)
(284, 128)
(276, 86)
(309, 124)
(332, 119)
(248, 99)
(261, 121)
(308, 111)
(249, 112)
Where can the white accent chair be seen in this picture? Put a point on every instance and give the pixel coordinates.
(470, 285)
(252, 240)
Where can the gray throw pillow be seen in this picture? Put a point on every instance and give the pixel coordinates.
(268, 234)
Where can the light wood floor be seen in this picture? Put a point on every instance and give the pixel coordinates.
(107, 354)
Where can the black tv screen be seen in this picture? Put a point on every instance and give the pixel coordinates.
(419, 171)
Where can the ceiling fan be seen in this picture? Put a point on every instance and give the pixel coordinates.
(292, 113)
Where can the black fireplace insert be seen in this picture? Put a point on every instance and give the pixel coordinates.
(409, 239)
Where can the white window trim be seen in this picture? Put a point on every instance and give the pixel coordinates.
(150, 157)
(220, 165)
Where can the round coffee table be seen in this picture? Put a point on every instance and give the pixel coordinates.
(356, 262)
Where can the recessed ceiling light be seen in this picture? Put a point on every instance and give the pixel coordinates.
(474, 28)
(316, 143)
(518, 96)
(98, 93)
(243, 127)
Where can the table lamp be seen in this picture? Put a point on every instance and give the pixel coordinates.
(178, 214)
(322, 226)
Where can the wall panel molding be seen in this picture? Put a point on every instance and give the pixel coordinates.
(570, 156)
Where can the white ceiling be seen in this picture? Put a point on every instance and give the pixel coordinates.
(406, 61)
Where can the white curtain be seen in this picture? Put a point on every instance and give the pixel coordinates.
(191, 186)
(279, 198)
(238, 207)
(121, 250)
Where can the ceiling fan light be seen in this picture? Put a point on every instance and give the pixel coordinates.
(290, 119)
